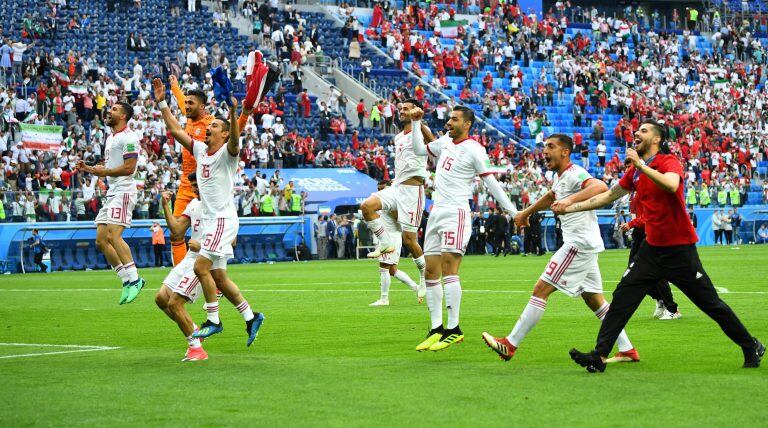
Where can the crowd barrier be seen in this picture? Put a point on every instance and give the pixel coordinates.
(73, 244)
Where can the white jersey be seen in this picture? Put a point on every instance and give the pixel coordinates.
(216, 181)
(457, 165)
(194, 212)
(407, 163)
(579, 229)
(119, 147)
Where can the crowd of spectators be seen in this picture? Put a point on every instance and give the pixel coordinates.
(716, 124)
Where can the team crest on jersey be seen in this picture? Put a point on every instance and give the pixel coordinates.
(197, 132)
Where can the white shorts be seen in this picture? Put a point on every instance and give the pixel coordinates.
(393, 235)
(218, 235)
(448, 230)
(118, 209)
(409, 202)
(573, 272)
(182, 280)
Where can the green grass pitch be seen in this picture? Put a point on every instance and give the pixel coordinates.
(324, 358)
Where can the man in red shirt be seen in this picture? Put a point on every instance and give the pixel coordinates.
(669, 251)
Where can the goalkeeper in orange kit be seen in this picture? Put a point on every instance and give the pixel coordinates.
(260, 78)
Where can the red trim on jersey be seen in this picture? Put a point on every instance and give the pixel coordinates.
(406, 133)
(184, 215)
(461, 141)
(485, 174)
(584, 183)
(419, 208)
(130, 155)
(430, 152)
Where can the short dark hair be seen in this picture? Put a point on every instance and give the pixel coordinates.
(192, 176)
(467, 113)
(226, 122)
(199, 94)
(127, 109)
(662, 132)
(415, 102)
(564, 140)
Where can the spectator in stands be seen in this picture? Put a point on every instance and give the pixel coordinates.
(761, 236)
(158, 242)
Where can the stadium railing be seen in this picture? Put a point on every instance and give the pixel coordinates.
(72, 245)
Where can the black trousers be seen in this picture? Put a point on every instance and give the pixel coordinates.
(38, 258)
(158, 254)
(680, 265)
(662, 291)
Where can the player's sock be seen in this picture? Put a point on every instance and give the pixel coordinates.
(131, 273)
(622, 342)
(213, 312)
(193, 342)
(120, 271)
(405, 279)
(385, 281)
(245, 310)
(178, 251)
(376, 226)
(528, 319)
(435, 302)
(421, 264)
(452, 299)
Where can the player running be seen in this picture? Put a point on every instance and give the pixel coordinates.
(573, 269)
(217, 162)
(388, 261)
(458, 160)
(121, 152)
(405, 196)
(669, 251)
(181, 285)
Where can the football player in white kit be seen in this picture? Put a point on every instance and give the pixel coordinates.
(388, 261)
(573, 269)
(121, 153)
(182, 285)
(458, 159)
(217, 162)
(405, 196)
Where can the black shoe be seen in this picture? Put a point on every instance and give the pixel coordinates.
(438, 330)
(752, 356)
(591, 361)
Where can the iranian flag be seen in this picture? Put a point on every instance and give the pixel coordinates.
(41, 137)
(61, 77)
(450, 29)
(78, 89)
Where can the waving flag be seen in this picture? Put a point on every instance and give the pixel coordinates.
(222, 86)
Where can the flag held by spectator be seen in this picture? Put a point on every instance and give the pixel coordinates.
(41, 137)
(260, 77)
(450, 28)
(222, 86)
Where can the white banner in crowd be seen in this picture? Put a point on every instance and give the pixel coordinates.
(41, 137)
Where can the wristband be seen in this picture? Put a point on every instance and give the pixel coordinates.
(162, 105)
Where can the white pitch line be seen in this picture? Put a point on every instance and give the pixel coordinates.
(300, 290)
(79, 348)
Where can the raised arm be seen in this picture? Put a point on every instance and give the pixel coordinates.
(178, 225)
(417, 138)
(596, 201)
(170, 122)
(178, 93)
(233, 145)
